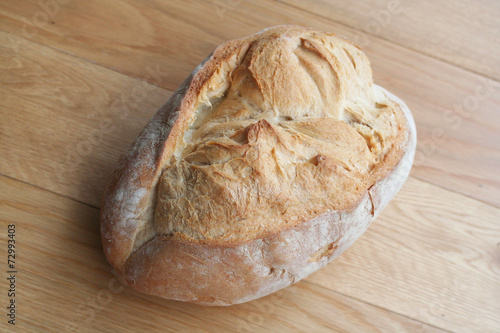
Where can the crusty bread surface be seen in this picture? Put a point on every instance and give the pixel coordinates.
(271, 159)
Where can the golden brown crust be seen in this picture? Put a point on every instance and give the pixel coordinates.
(297, 133)
(267, 163)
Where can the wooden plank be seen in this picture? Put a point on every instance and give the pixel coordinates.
(64, 284)
(459, 132)
(65, 122)
(432, 255)
(450, 31)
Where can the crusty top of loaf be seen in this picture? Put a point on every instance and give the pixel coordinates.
(287, 126)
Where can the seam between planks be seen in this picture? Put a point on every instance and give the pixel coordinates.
(456, 192)
(388, 40)
(281, 4)
(376, 306)
(86, 60)
(98, 207)
(2, 174)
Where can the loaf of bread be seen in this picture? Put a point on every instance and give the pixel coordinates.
(267, 163)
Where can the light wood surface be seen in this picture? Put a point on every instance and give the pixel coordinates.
(465, 33)
(79, 82)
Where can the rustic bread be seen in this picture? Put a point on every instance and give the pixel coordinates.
(269, 161)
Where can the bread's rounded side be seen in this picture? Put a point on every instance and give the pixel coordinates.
(127, 197)
(130, 196)
(211, 275)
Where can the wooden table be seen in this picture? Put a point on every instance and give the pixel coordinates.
(79, 79)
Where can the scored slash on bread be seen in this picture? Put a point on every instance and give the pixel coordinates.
(271, 159)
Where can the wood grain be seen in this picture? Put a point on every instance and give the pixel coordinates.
(77, 88)
(459, 134)
(449, 31)
(65, 284)
(433, 255)
(65, 122)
